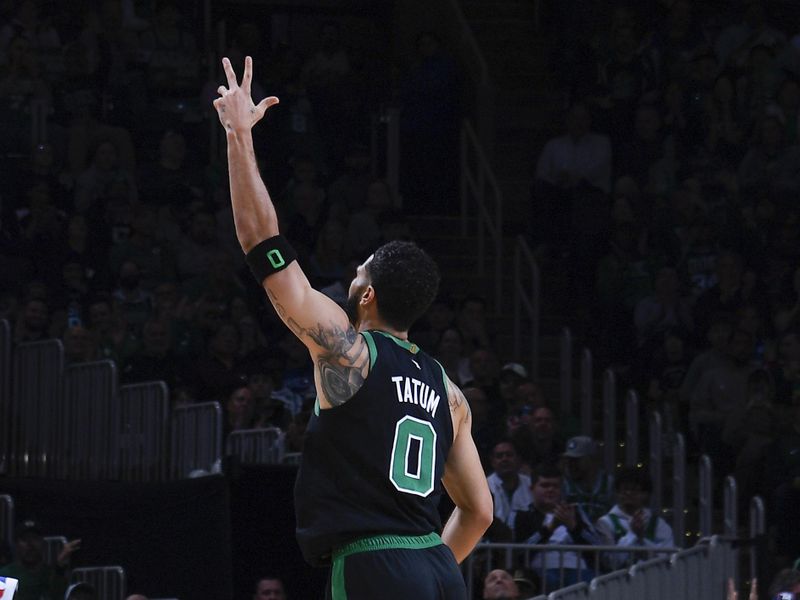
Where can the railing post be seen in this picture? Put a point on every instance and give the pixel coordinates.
(565, 371)
(706, 496)
(679, 489)
(757, 529)
(655, 461)
(586, 392)
(632, 429)
(730, 507)
(609, 420)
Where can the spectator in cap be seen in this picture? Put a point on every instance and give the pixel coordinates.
(584, 482)
(37, 580)
(499, 584)
(511, 376)
(630, 523)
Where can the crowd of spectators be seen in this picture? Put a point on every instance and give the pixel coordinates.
(669, 201)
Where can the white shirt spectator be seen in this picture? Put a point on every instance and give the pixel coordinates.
(562, 537)
(614, 529)
(506, 508)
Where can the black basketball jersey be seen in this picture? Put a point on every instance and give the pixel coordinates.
(374, 464)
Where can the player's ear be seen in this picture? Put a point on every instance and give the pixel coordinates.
(368, 296)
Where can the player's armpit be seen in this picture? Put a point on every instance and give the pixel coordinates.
(340, 355)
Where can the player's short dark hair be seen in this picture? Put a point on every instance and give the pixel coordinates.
(545, 470)
(405, 279)
(633, 476)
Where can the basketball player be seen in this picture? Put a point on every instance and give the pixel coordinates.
(389, 429)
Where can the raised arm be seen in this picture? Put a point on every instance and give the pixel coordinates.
(339, 353)
(465, 481)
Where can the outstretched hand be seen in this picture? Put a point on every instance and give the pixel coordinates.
(235, 106)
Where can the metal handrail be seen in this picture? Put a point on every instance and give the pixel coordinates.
(476, 61)
(476, 183)
(528, 300)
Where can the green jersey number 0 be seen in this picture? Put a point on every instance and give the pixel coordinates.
(414, 448)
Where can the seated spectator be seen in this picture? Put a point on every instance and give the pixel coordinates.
(585, 483)
(630, 523)
(665, 309)
(785, 371)
(717, 335)
(512, 375)
(78, 345)
(270, 588)
(539, 442)
(363, 227)
(472, 322)
(511, 491)
(155, 361)
(270, 411)
(500, 585)
(719, 392)
(485, 431)
(197, 248)
(33, 321)
(348, 193)
(750, 429)
(483, 369)
(577, 156)
(173, 64)
(111, 336)
(216, 370)
(97, 181)
(156, 260)
(667, 370)
(136, 597)
(239, 409)
(327, 261)
(440, 316)
(450, 353)
(134, 303)
(552, 521)
(770, 163)
(37, 580)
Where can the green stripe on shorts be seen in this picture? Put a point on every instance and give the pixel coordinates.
(372, 544)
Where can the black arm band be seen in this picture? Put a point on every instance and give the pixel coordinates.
(270, 256)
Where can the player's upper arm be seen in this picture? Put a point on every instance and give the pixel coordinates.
(340, 355)
(464, 478)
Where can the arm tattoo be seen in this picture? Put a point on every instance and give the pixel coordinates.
(341, 364)
(456, 399)
(341, 368)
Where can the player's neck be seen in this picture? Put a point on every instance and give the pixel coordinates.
(376, 324)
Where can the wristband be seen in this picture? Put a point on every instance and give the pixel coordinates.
(270, 256)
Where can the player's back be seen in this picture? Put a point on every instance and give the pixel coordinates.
(374, 464)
